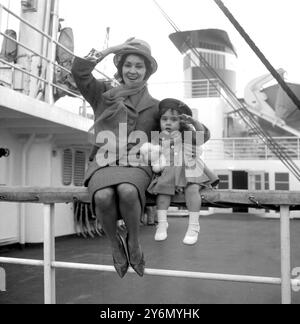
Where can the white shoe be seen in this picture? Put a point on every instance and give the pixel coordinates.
(191, 236)
(161, 231)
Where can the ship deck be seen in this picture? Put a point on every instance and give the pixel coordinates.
(241, 244)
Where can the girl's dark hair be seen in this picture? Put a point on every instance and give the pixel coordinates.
(181, 108)
(163, 110)
(174, 105)
(122, 61)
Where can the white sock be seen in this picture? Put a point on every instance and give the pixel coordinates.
(162, 215)
(194, 220)
(191, 236)
(161, 229)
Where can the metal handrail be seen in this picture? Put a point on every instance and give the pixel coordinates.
(35, 53)
(41, 79)
(49, 38)
(248, 148)
(50, 196)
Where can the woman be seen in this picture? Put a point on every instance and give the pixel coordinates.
(116, 190)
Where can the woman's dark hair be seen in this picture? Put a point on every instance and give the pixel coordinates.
(122, 61)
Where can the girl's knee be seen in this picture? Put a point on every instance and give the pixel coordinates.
(104, 197)
(127, 193)
(192, 189)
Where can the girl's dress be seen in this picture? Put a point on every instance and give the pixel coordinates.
(184, 165)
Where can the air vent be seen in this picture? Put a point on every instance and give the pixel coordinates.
(67, 167)
(79, 168)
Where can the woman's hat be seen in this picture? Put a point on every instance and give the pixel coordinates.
(171, 103)
(141, 48)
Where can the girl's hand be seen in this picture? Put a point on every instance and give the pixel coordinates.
(121, 226)
(186, 119)
(179, 190)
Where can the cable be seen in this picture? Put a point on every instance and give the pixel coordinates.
(257, 51)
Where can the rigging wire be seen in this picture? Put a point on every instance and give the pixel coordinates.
(250, 120)
(242, 111)
(257, 51)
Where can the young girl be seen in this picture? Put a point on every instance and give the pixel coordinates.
(182, 170)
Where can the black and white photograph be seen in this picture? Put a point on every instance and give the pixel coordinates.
(149, 155)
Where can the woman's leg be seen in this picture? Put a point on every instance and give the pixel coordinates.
(107, 213)
(131, 210)
(163, 203)
(193, 203)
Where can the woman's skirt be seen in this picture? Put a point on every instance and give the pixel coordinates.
(115, 175)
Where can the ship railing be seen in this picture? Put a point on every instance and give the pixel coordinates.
(52, 43)
(278, 200)
(197, 88)
(250, 148)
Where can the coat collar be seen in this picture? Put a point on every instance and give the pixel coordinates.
(145, 102)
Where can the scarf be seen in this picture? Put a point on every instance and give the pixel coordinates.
(116, 113)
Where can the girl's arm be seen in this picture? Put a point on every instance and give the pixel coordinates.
(199, 127)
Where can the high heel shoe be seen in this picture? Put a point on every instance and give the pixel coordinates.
(121, 268)
(138, 267)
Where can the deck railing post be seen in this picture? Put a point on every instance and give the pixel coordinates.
(286, 295)
(49, 254)
(52, 53)
(1, 15)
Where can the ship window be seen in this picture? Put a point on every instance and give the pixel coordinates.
(206, 88)
(258, 182)
(214, 47)
(267, 181)
(224, 181)
(282, 181)
(74, 164)
(216, 61)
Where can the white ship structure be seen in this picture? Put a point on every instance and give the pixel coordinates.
(43, 144)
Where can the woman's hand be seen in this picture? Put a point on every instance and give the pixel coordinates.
(97, 56)
(94, 55)
(129, 44)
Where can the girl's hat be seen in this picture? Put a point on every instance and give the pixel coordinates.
(181, 107)
(141, 48)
